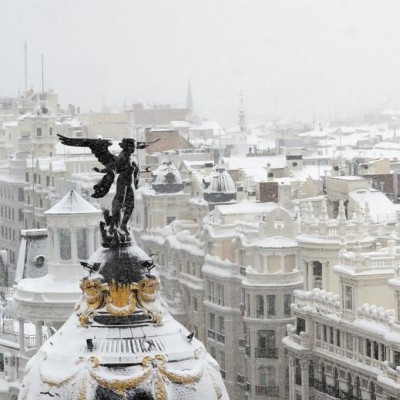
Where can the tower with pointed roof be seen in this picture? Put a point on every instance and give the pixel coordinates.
(189, 98)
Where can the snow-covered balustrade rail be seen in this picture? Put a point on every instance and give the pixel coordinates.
(317, 301)
(30, 340)
(385, 259)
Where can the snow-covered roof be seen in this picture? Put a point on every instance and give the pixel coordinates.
(246, 207)
(72, 203)
(32, 258)
(381, 208)
(274, 162)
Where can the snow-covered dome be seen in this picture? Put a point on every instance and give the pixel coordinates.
(121, 342)
(221, 187)
(167, 178)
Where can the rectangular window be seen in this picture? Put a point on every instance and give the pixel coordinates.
(220, 294)
(331, 335)
(194, 303)
(376, 351)
(317, 272)
(396, 358)
(348, 301)
(212, 322)
(349, 341)
(221, 323)
(368, 348)
(260, 306)
(361, 346)
(248, 305)
(82, 244)
(212, 293)
(65, 244)
(287, 301)
(222, 360)
(300, 325)
(38, 131)
(271, 306)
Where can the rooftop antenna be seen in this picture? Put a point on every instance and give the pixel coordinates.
(42, 76)
(26, 66)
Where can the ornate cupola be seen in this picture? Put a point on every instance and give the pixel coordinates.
(72, 235)
(221, 187)
(121, 342)
(167, 178)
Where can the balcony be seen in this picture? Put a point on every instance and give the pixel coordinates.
(248, 351)
(242, 342)
(211, 334)
(267, 391)
(242, 271)
(266, 352)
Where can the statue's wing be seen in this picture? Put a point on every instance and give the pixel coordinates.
(143, 145)
(99, 147)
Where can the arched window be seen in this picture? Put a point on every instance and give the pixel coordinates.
(323, 378)
(372, 394)
(358, 388)
(349, 383)
(336, 382)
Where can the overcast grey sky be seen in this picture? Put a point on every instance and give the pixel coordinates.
(291, 58)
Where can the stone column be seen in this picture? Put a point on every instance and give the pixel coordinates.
(21, 324)
(305, 389)
(39, 334)
(292, 381)
(306, 277)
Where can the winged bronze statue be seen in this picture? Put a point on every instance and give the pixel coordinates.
(127, 171)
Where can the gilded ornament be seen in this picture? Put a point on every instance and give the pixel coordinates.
(93, 292)
(121, 300)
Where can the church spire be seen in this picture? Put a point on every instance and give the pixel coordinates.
(189, 98)
(242, 114)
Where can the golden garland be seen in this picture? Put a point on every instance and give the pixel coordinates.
(121, 386)
(152, 366)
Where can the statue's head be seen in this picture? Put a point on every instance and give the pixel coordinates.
(128, 144)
